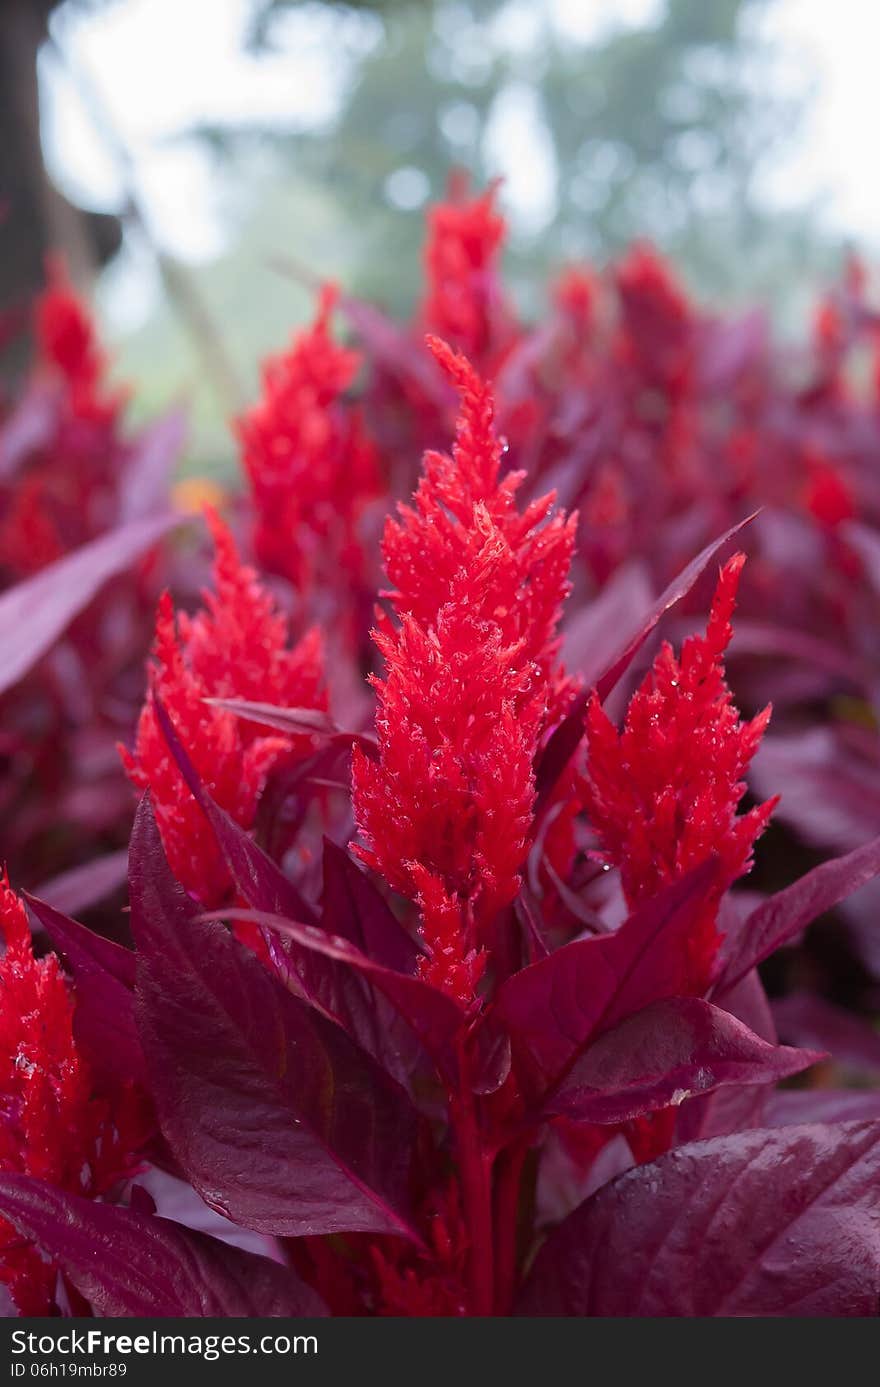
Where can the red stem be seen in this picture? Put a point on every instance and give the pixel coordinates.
(475, 1171)
(507, 1196)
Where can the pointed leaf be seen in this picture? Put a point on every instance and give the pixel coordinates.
(146, 481)
(666, 1053)
(279, 1119)
(354, 908)
(565, 740)
(435, 1017)
(339, 992)
(33, 614)
(805, 1019)
(619, 606)
(259, 879)
(82, 887)
(296, 722)
(131, 1264)
(555, 1008)
(103, 973)
(783, 1222)
(785, 914)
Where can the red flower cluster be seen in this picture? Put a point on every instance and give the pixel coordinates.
(662, 795)
(70, 477)
(310, 464)
(471, 677)
(463, 303)
(66, 490)
(435, 1090)
(67, 343)
(53, 1127)
(235, 647)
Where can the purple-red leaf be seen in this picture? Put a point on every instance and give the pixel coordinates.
(145, 482)
(103, 973)
(782, 1222)
(805, 1019)
(555, 1008)
(664, 1054)
(339, 992)
(296, 722)
(256, 876)
(630, 643)
(131, 1264)
(785, 914)
(434, 1016)
(596, 628)
(82, 887)
(34, 613)
(609, 669)
(279, 1119)
(354, 908)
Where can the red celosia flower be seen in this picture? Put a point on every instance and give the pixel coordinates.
(461, 504)
(446, 809)
(310, 465)
(655, 334)
(235, 647)
(29, 538)
(662, 794)
(51, 1124)
(68, 343)
(827, 495)
(429, 1282)
(462, 302)
(574, 295)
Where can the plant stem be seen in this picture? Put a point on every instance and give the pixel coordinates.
(507, 1197)
(475, 1170)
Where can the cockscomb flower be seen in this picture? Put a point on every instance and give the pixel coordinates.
(445, 811)
(237, 646)
(460, 501)
(52, 1126)
(67, 343)
(309, 462)
(663, 793)
(463, 299)
(656, 334)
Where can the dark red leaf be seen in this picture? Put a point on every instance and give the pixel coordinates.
(146, 480)
(783, 1222)
(434, 1016)
(133, 1264)
(34, 613)
(555, 1008)
(802, 1018)
(279, 1119)
(256, 876)
(785, 914)
(296, 721)
(85, 886)
(104, 976)
(609, 669)
(354, 908)
(669, 1052)
(318, 977)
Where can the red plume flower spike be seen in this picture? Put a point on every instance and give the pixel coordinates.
(67, 343)
(445, 812)
(310, 464)
(465, 236)
(663, 793)
(51, 1125)
(235, 647)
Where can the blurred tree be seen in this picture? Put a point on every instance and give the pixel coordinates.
(659, 129)
(34, 216)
